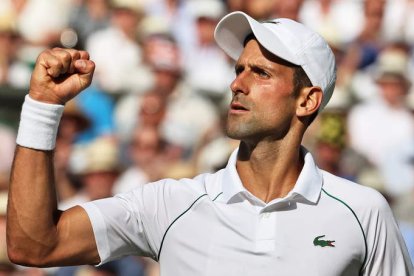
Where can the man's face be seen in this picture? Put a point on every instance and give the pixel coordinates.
(263, 103)
(393, 90)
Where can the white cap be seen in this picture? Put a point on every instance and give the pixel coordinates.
(286, 39)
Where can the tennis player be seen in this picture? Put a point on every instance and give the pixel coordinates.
(271, 211)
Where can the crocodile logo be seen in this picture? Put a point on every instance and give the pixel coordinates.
(322, 243)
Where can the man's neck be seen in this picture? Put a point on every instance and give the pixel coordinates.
(269, 170)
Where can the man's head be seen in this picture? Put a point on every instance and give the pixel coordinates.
(286, 39)
(284, 73)
(391, 75)
(101, 167)
(206, 14)
(126, 15)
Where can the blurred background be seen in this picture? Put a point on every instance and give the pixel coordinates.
(158, 102)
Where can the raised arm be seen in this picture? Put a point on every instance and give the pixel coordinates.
(37, 233)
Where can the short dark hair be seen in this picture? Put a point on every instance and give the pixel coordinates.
(300, 79)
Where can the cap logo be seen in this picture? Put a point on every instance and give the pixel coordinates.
(270, 21)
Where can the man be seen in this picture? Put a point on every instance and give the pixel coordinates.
(382, 129)
(271, 211)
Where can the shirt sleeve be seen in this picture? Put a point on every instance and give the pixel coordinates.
(387, 252)
(118, 227)
(135, 223)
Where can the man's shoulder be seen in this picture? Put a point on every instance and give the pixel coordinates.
(170, 198)
(357, 197)
(187, 189)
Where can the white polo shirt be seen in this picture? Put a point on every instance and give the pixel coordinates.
(211, 225)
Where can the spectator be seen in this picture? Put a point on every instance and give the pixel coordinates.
(13, 72)
(289, 9)
(98, 174)
(363, 51)
(398, 19)
(72, 124)
(185, 110)
(147, 159)
(333, 17)
(261, 9)
(98, 107)
(380, 126)
(41, 22)
(210, 80)
(330, 147)
(6, 267)
(121, 38)
(177, 16)
(87, 18)
(7, 144)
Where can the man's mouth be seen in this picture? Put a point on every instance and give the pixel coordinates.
(236, 106)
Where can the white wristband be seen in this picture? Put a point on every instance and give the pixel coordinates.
(39, 124)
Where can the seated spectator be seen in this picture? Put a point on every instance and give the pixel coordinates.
(120, 74)
(333, 16)
(259, 9)
(289, 9)
(13, 71)
(379, 127)
(145, 152)
(72, 124)
(88, 17)
(98, 107)
(7, 145)
(99, 167)
(212, 78)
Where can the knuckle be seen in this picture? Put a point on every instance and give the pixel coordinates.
(55, 62)
(61, 54)
(66, 56)
(72, 52)
(45, 54)
(84, 54)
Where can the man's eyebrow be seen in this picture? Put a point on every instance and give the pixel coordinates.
(238, 66)
(252, 66)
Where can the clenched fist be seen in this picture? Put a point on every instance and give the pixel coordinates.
(60, 74)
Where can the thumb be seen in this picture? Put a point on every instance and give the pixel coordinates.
(84, 66)
(84, 69)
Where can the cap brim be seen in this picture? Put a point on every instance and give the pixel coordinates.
(233, 29)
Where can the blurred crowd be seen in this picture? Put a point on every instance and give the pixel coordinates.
(157, 105)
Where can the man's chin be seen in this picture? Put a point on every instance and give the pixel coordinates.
(236, 134)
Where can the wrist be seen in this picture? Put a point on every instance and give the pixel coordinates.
(39, 124)
(43, 98)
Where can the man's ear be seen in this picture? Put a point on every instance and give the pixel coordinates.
(309, 100)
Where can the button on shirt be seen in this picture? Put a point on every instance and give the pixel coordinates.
(211, 225)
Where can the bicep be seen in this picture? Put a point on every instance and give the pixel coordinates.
(76, 242)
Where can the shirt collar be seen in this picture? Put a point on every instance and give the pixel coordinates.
(308, 184)
(232, 184)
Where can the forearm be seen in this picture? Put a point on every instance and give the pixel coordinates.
(32, 211)
(37, 233)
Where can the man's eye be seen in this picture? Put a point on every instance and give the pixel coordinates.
(262, 73)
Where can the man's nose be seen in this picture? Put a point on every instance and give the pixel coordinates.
(239, 84)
